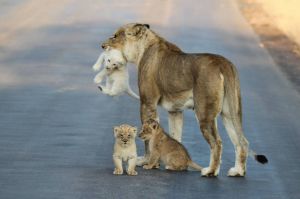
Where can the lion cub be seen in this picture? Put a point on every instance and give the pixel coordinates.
(166, 149)
(116, 73)
(125, 149)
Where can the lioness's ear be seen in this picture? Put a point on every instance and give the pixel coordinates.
(147, 26)
(137, 30)
(116, 131)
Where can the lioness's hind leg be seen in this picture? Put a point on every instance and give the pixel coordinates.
(210, 133)
(238, 139)
(208, 97)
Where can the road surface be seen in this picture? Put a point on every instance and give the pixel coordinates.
(56, 128)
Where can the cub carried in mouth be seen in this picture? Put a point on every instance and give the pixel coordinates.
(125, 149)
(166, 149)
(116, 73)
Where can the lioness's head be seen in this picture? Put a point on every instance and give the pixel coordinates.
(129, 39)
(149, 129)
(125, 134)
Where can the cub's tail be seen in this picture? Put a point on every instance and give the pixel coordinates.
(194, 165)
(132, 94)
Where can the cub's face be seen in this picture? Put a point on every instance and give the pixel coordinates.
(127, 39)
(125, 135)
(149, 129)
(114, 60)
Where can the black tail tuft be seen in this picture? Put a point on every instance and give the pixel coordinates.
(261, 159)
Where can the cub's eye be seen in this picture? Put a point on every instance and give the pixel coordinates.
(108, 60)
(129, 136)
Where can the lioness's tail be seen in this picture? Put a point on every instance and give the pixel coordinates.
(259, 158)
(194, 165)
(232, 113)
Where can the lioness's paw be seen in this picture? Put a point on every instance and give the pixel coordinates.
(208, 172)
(118, 171)
(236, 172)
(146, 166)
(132, 172)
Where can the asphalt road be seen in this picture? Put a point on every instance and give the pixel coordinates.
(56, 128)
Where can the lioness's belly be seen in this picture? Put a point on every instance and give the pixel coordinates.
(178, 103)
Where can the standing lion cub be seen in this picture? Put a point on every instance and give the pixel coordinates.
(125, 149)
(166, 149)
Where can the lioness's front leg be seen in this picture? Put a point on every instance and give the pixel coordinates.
(175, 125)
(147, 111)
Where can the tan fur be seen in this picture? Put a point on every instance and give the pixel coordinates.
(166, 149)
(125, 149)
(167, 76)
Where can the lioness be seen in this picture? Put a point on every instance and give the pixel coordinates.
(207, 83)
(166, 149)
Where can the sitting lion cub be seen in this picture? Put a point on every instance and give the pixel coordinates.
(125, 149)
(163, 147)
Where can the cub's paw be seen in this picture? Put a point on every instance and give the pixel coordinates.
(100, 88)
(146, 166)
(132, 172)
(208, 172)
(97, 80)
(118, 171)
(141, 160)
(156, 166)
(96, 67)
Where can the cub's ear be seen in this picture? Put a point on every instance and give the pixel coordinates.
(147, 25)
(116, 131)
(134, 130)
(155, 125)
